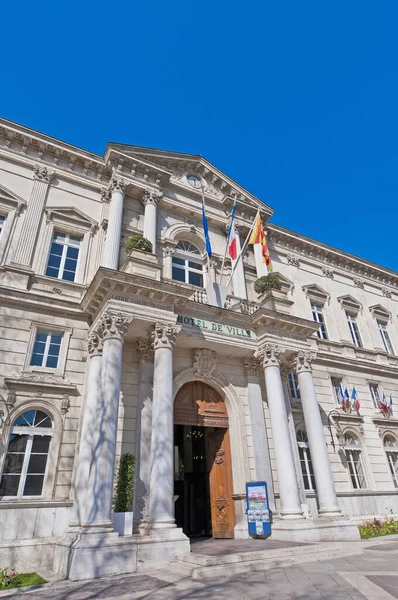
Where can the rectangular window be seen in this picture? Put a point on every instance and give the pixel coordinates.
(355, 468)
(375, 393)
(293, 386)
(385, 337)
(337, 385)
(2, 221)
(353, 326)
(63, 257)
(318, 317)
(46, 349)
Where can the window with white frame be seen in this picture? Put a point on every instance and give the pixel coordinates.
(25, 462)
(354, 461)
(385, 337)
(391, 449)
(2, 222)
(305, 460)
(375, 393)
(317, 315)
(337, 385)
(64, 256)
(46, 349)
(294, 388)
(187, 264)
(354, 331)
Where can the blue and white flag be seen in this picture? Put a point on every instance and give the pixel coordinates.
(390, 401)
(206, 229)
(346, 394)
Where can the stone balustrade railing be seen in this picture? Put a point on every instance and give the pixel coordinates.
(245, 307)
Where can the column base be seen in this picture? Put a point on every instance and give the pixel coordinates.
(331, 512)
(293, 515)
(317, 529)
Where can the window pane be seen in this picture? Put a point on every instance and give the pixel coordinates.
(41, 443)
(68, 276)
(70, 265)
(9, 485)
(194, 265)
(54, 260)
(178, 261)
(178, 274)
(54, 350)
(42, 419)
(56, 338)
(72, 253)
(36, 360)
(52, 272)
(56, 249)
(39, 347)
(33, 485)
(195, 279)
(52, 362)
(75, 240)
(13, 463)
(26, 418)
(37, 463)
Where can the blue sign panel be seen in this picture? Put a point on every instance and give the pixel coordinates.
(258, 514)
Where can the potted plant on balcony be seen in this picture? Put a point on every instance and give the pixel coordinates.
(140, 259)
(268, 282)
(138, 242)
(123, 515)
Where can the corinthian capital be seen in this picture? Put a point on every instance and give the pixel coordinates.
(151, 197)
(168, 250)
(118, 184)
(43, 174)
(145, 349)
(94, 342)
(164, 336)
(114, 326)
(252, 366)
(269, 354)
(303, 361)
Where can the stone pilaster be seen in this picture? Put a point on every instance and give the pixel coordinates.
(117, 188)
(30, 226)
(168, 252)
(288, 488)
(325, 489)
(150, 201)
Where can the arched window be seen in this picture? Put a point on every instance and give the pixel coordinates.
(354, 461)
(305, 460)
(187, 264)
(391, 448)
(25, 462)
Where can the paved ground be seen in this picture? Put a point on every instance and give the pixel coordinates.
(372, 576)
(212, 547)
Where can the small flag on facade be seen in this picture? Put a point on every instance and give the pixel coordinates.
(354, 398)
(206, 229)
(232, 240)
(390, 402)
(258, 237)
(384, 404)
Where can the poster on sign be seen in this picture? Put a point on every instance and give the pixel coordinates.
(257, 508)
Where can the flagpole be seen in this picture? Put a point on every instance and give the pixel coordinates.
(226, 247)
(204, 209)
(242, 249)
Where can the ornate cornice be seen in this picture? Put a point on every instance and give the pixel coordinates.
(269, 354)
(42, 173)
(151, 197)
(164, 335)
(302, 362)
(145, 349)
(252, 366)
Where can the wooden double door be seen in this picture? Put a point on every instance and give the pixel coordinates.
(203, 473)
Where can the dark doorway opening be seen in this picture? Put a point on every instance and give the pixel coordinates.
(193, 460)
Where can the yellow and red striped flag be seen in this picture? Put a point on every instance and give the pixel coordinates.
(258, 237)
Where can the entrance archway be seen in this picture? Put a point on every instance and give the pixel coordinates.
(202, 463)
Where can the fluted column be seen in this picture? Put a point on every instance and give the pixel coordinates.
(34, 211)
(259, 431)
(162, 450)
(288, 488)
(150, 201)
(326, 493)
(117, 188)
(84, 507)
(238, 279)
(144, 430)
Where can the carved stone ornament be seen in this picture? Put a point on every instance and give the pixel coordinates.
(204, 363)
(43, 174)
(164, 335)
(145, 349)
(11, 399)
(65, 405)
(168, 250)
(252, 366)
(105, 194)
(269, 354)
(113, 326)
(327, 271)
(292, 259)
(303, 361)
(95, 342)
(358, 282)
(386, 292)
(151, 197)
(118, 184)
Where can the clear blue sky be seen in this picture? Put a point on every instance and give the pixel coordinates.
(297, 101)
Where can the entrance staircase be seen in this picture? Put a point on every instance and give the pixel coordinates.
(198, 565)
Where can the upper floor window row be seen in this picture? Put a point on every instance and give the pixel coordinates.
(317, 315)
(187, 264)
(63, 257)
(354, 331)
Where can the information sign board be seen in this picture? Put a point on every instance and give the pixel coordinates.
(258, 514)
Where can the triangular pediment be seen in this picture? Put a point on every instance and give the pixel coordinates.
(350, 303)
(178, 166)
(379, 312)
(72, 215)
(10, 198)
(316, 293)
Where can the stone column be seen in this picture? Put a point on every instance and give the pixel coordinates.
(288, 488)
(326, 493)
(110, 258)
(238, 279)
(150, 200)
(34, 211)
(83, 495)
(259, 431)
(162, 450)
(144, 430)
(168, 252)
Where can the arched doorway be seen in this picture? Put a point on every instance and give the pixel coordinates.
(202, 463)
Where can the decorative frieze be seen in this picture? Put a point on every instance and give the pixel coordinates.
(269, 354)
(303, 360)
(164, 335)
(252, 366)
(145, 349)
(204, 363)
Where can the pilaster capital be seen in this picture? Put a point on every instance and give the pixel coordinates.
(118, 184)
(269, 354)
(303, 361)
(145, 349)
(94, 342)
(42, 173)
(252, 366)
(105, 194)
(164, 335)
(114, 326)
(151, 197)
(168, 250)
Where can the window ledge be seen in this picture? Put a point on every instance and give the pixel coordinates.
(33, 503)
(43, 380)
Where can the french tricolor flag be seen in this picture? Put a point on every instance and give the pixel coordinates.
(232, 236)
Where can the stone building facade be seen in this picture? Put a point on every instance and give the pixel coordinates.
(104, 353)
